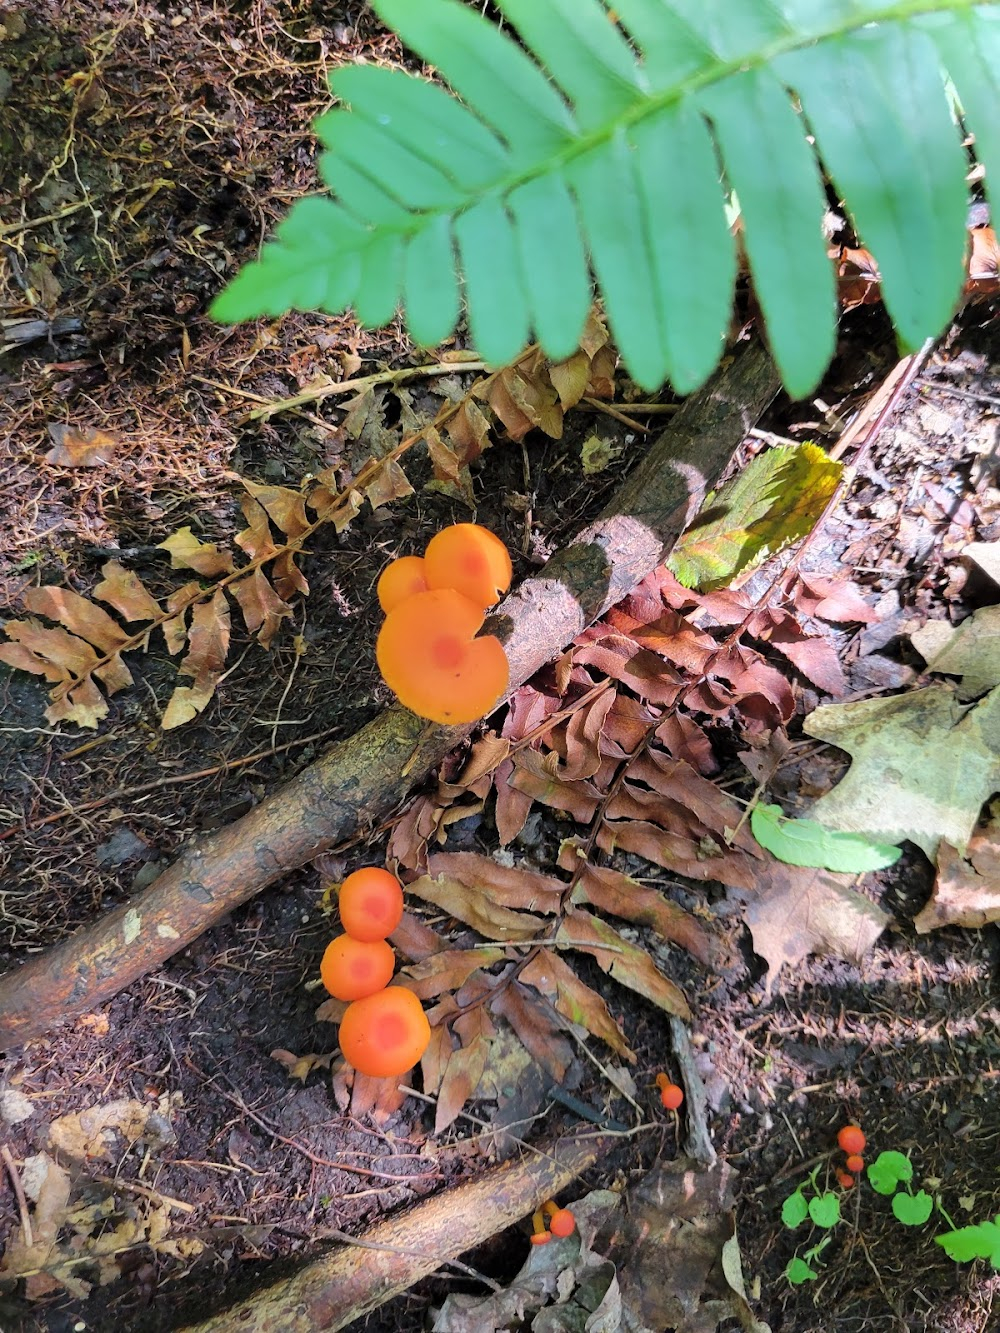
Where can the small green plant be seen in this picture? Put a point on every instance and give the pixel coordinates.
(981, 1241)
(822, 1207)
(886, 1174)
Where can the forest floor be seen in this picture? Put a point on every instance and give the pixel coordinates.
(145, 150)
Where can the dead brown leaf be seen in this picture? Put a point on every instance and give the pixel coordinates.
(79, 615)
(301, 1066)
(188, 552)
(476, 908)
(263, 610)
(797, 911)
(535, 1028)
(967, 889)
(124, 590)
(619, 895)
(626, 963)
(465, 1066)
(206, 658)
(448, 970)
(575, 1001)
(76, 446)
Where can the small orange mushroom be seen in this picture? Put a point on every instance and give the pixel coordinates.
(371, 904)
(403, 578)
(539, 1234)
(352, 968)
(671, 1095)
(384, 1034)
(430, 658)
(562, 1222)
(471, 560)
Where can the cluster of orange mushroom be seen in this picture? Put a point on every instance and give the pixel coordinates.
(384, 1030)
(561, 1222)
(435, 605)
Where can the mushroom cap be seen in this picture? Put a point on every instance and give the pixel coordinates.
(371, 904)
(562, 1222)
(470, 559)
(430, 658)
(400, 580)
(352, 969)
(384, 1035)
(851, 1139)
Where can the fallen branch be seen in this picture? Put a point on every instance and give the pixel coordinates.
(364, 777)
(353, 1280)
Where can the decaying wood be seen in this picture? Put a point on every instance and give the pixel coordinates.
(363, 778)
(350, 1282)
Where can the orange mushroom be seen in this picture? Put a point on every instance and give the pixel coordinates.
(403, 578)
(371, 904)
(430, 658)
(352, 968)
(562, 1222)
(385, 1034)
(471, 560)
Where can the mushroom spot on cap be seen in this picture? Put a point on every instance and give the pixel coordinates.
(384, 1035)
(430, 658)
(470, 559)
(352, 969)
(371, 903)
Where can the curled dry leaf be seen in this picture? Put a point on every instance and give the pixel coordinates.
(206, 658)
(967, 889)
(301, 1066)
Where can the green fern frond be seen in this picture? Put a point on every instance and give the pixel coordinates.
(606, 144)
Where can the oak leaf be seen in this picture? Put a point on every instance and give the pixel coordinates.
(923, 764)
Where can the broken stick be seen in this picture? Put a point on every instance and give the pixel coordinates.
(347, 1283)
(360, 780)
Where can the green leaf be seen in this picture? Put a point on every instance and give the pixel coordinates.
(912, 1210)
(824, 1210)
(804, 842)
(776, 499)
(798, 1271)
(794, 1210)
(612, 145)
(888, 1170)
(976, 1242)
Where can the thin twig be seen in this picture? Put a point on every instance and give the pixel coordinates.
(316, 1160)
(22, 1202)
(125, 793)
(361, 383)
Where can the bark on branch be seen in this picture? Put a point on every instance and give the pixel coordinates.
(349, 1282)
(361, 779)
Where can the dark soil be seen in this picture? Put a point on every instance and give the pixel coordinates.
(166, 141)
